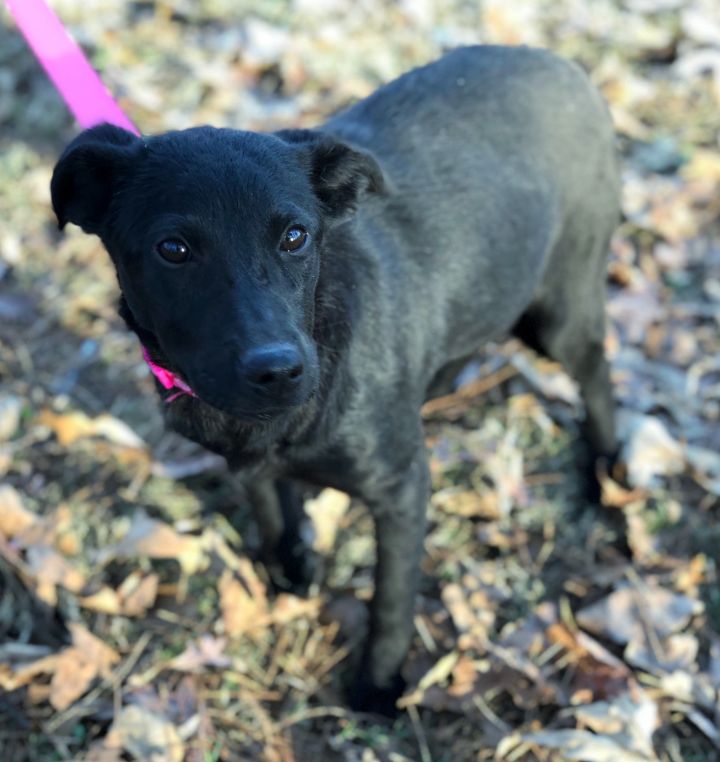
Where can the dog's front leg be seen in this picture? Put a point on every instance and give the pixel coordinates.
(399, 512)
(278, 509)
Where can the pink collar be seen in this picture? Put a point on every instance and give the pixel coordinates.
(167, 379)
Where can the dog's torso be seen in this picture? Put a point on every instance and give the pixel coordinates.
(493, 156)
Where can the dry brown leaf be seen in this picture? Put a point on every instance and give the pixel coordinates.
(468, 503)
(650, 451)
(635, 311)
(438, 673)
(663, 655)
(596, 672)
(155, 539)
(472, 614)
(70, 427)
(14, 677)
(14, 517)
(326, 512)
(630, 719)
(689, 576)
(579, 745)
(646, 547)
(49, 569)
(243, 600)
(138, 593)
(73, 669)
(620, 730)
(147, 735)
(207, 651)
(105, 600)
(287, 607)
(625, 614)
(614, 495)
(78, 665)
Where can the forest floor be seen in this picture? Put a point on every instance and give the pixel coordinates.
(134, 619)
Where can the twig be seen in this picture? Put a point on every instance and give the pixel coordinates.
(468, 392)
(425, 755)
(312, 714)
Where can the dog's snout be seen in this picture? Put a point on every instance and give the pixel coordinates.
(274, 368)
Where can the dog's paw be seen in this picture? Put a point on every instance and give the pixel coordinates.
(295, 567)
(364, 696)
(596, 471)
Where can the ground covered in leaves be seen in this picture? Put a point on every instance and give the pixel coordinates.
(134, 620)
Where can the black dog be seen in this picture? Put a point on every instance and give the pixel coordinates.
(313, 287)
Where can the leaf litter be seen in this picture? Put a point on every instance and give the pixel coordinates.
(134, 625)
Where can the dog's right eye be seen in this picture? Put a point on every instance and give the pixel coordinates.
(173, 251)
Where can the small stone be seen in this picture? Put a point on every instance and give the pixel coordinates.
(10, 411)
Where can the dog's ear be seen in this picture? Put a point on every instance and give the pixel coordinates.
(88, 173)
(342, 175)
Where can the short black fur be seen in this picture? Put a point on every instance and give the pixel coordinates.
(466, 200)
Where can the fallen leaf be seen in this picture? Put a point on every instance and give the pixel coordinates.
(630, 719)
(147, 735)
(634, 312)
(73, 669)
(154, 539)
(326, 512)
(581, 745)
(14, 517)
(649, 451)
(613, 494)
(78, 665)
(105, 601)
(49, 569)
(138, 593)
(206, 651)
(438, 673)
(287, 607)
(70, 427)
(14, 677)
(467, 503)
(595, 671)
(624, 614)
(471, 612)
(243, 600)
(663, 655)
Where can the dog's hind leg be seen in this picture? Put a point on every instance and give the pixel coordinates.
(278, 510)
(567, 324)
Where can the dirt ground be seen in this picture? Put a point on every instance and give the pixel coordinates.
(135, 622)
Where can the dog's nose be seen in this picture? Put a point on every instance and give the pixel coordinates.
(273, 368)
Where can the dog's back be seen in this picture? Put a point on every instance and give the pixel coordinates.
(497, 160)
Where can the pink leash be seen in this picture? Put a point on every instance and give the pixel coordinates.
(87, 98)
(66, 65)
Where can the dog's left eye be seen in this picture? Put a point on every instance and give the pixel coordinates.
(173, 251)
(294, 239)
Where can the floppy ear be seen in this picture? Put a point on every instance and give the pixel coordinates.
(88, 173)
(342, 176)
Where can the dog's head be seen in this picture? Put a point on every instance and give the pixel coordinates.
(217, 238)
